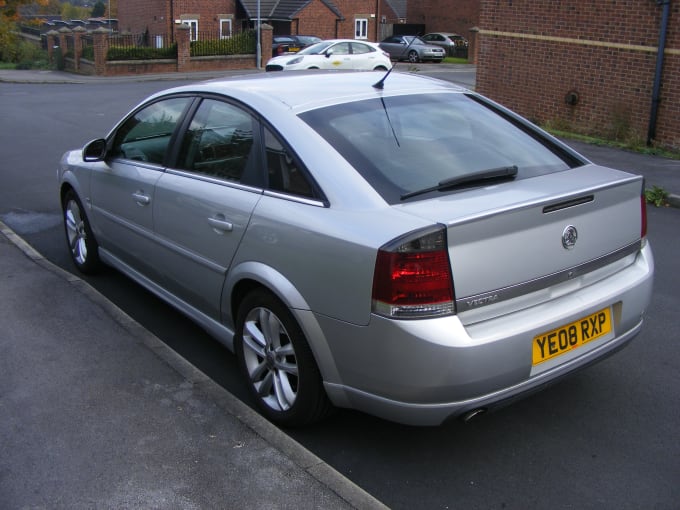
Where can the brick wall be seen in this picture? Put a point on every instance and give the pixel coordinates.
(457, 16)
(316, 19)
(158, 16)
(135, 16)
(533, 53)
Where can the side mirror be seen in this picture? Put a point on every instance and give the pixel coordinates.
(329, 53)
(95, 150)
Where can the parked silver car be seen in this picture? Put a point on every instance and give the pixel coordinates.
(453, 44)
(389, 243)
(412, 48)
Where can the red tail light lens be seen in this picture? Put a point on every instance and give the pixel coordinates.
(412, 278)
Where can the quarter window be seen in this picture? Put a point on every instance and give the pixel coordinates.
(284, 174)
(145, 135)
(218, 142)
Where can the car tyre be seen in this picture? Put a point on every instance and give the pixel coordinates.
(82, 244)
(380, 68)
(413, 56)
(277, 362)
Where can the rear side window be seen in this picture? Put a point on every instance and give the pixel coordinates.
(283, 172)
(219, 142)
(407, 143)
(146, 134)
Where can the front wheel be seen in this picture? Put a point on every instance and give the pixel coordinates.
(380, 68)
(82, 245)
(280, 370)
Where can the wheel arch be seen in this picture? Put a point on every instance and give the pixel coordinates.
(249, 276)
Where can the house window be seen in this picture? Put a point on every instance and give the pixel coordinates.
(225, 28)
(361, 28)
(193, 25)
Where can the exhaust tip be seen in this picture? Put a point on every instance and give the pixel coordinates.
(475, 413)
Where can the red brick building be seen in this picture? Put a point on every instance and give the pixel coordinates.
(355, 19)
(159, 17)
(585, 66)
(457, 16)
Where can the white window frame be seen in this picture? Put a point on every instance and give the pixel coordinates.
(225, 22)
(193, 25)
(361, 28)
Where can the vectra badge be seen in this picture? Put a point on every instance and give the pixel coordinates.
(569, 237)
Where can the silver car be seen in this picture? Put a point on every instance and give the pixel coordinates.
(412, 48)
(384, 242)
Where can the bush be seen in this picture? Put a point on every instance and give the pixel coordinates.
(14, 50)
(240, 44)
(8, 41)
(140, 53)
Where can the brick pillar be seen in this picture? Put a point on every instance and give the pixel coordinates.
(183, 38)
(78, 33)
(63, 34)
(266, 36)
(51, 43)
(473, 48)
(101, 48)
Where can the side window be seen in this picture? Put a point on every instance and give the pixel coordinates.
(340, 48)
(219, 141)
(358, 48)
(145, 135)
(282, 170)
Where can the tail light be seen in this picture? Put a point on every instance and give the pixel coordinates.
(643, 216)
(412, 278)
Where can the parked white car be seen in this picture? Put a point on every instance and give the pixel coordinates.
(334, 54)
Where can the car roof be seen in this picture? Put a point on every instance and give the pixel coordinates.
(306, 90)
(444, 33)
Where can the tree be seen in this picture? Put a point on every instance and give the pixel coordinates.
(99, 10)
(9, 9)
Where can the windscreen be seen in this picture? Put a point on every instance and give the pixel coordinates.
(408, 143)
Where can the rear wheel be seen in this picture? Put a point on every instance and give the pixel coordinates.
(380, 68)
(413, 56)
(81, 242)
(278, 364)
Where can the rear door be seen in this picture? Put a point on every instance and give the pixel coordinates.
(364, 57)
(202, 206)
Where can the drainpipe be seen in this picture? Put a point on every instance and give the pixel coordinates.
(651, 133)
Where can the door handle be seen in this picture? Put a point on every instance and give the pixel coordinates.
(220, 225)
(141, 198)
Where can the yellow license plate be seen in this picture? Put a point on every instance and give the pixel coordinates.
(572, 336)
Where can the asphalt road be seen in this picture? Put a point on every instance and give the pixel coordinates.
(605, 438)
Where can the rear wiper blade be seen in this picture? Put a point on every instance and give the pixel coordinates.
(503, 172)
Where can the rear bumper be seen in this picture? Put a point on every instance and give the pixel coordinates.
(438, 413)
(425, 372)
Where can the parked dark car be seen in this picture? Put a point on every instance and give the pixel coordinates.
(282, 44)
(412, 48)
